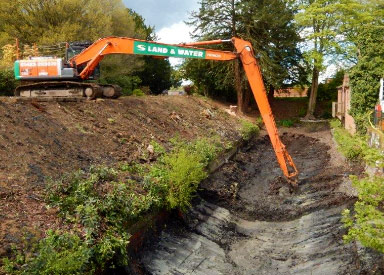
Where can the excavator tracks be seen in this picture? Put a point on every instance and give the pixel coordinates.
(66, 91)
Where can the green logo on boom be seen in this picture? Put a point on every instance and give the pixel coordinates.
(146, 48)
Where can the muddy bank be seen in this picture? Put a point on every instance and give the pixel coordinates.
(39, 140)
(246, 221)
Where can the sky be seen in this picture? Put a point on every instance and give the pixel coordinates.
(167, 17)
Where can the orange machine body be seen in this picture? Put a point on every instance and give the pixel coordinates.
(39, 67)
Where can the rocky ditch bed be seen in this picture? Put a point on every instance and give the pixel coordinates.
(246, 221)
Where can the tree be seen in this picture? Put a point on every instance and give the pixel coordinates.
(218, 19)
(156, 74)
(320, 22)
(268, 24)
(328, 91)
(365, 75)
(363, 29)
(51, 21)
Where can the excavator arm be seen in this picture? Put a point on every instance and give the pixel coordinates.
(118, 45)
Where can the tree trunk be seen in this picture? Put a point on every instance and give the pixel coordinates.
(238, 88)
(271, 93)
(246, 99)
(313, 96)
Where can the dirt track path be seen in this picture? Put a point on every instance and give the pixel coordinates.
(247, 222)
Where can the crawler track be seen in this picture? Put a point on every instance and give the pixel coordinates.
(66, 90)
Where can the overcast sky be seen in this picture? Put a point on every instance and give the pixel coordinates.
(167, 16)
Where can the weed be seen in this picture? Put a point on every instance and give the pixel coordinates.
(112, 120)
(158, 149)
(133, 168)
(248, 129)
(81, 128)
(259, 122)
(101, 207)
(123, 140)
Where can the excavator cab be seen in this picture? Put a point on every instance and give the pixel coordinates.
(75, 48)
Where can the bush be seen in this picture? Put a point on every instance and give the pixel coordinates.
(58, 253)
(8, 82)
(366, 224)
(138, 92)
(176, 176)
(355, 148)
(102, 207)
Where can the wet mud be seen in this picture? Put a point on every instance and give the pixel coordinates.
(246, 220)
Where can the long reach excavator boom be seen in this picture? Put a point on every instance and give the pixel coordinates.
(83, 65)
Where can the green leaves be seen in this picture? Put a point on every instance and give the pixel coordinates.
(59, 253)
(176, 176)
(355, 148)
(102, 208)
(366, 222)
(268, 25)
(365, 75)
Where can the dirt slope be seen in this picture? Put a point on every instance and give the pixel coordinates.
(40, 140)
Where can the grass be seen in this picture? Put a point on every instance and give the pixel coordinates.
(248, 129)
(286, 123)
(101, 205)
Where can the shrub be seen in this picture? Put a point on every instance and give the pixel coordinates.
(355, 148)
(102, 207)
(365, 75)
(7, 82)
(58, 253)
(127, 83)
(366, 223)
(138, 92)
(176, 176)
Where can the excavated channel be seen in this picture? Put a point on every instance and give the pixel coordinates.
(246, 221)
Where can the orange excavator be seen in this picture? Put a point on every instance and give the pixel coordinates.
(53, 78)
